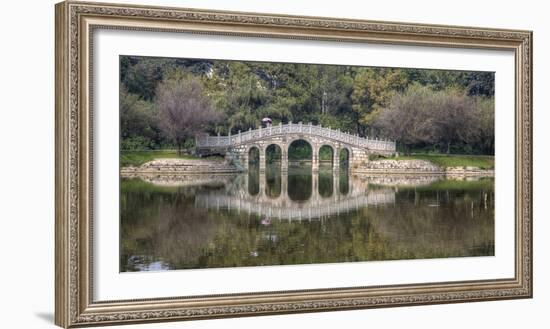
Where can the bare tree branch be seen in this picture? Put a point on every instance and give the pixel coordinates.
(183, 108)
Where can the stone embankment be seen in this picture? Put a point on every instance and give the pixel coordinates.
(468, 171)
(417, 167)
(400, 179)
(180, 166)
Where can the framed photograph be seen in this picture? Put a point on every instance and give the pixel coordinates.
(217, 164)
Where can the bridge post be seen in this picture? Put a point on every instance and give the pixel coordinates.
(284, 158)
(262, 159)
(336, 159)
(314, 158)
(245, 160)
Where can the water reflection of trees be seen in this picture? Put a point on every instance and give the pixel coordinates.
(432, 224)
(254, 180)
(343, 176)
(326, 181)
(300, 187)
(162, 224)
(273, 180)
(444, 219)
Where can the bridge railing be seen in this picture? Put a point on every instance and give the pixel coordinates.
(206, 141)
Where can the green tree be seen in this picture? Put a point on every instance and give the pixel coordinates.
(142, 78)
(485, 116)
(138, 124)
(349, 98)
(373, 89)
(239, 93)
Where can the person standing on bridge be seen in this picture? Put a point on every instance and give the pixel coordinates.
(266, 122)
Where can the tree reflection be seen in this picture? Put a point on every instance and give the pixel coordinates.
(166, 225)
(254, 179)
(343, 176)
(326, 182)
(300, 183)
(273, 180)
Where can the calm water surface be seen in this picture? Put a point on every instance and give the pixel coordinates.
(253, 219)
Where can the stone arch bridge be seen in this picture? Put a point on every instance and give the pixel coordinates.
(238, 146)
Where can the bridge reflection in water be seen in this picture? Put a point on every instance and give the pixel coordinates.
(295, 195)
(299, 217)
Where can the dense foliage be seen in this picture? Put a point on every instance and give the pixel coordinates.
(433, 110)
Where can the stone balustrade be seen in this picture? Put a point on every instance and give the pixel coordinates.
(206, 141)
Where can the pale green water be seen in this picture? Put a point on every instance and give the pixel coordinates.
(301, 218)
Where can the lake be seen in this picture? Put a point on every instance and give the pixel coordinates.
(274, 218)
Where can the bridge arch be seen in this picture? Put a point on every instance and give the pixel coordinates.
(294, 141)
(253, 151)
(332, 153)
(298, 138)
(273, 152)
(344, 155)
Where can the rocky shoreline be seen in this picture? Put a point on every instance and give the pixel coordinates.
(417, 167)
(180, 167)
(378, 167)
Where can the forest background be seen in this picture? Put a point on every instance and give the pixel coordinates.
(165, 102)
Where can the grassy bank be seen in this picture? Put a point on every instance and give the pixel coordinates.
(137, 158)
(452, 160)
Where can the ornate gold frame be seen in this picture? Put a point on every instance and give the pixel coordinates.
(75, 23)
